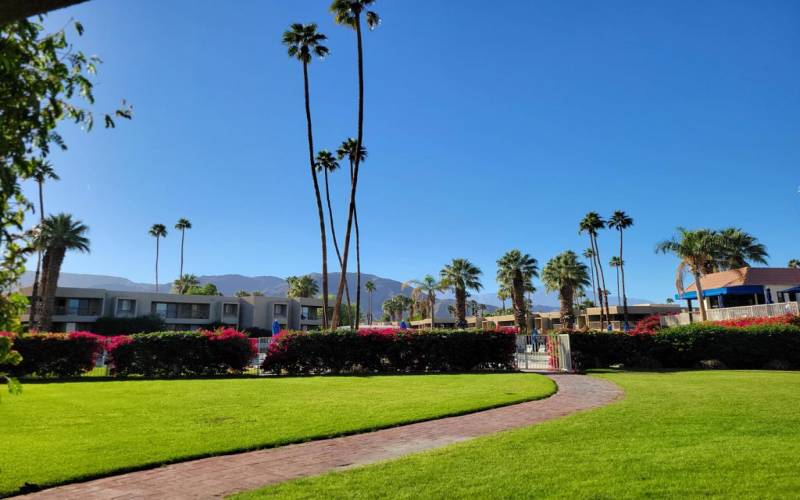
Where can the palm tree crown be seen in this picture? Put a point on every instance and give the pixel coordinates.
(183, 284)
(348, 150)
(347, 12)
(515, 271)
(461, 275)
(326, 161)
(794, 263)
(565, 274)
(737, 249)
(427, 286)
(620, 221)
(61, 231)
(158, 231)
(183, 224)
(43, 171)
(303, 41)
(301, 287)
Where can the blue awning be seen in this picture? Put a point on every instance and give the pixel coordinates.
(794, 289)
(728, 290)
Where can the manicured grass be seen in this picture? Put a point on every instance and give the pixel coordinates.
(59, 432)
(687, 434)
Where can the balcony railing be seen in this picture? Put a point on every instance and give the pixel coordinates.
(77, 311)
(759, 311)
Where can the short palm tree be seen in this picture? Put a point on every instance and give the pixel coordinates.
(303, 42)
(157, 231)
(503, 294)
(59, 234)
(695, 249)
(348, 13)
(591, 224)
(516, 271)
(565, 274)
(369, 286)
(182, 285)
(794, 263)
(621, 221)
(349, 149)
(617, 264)
(461, 275)
(427, 287)
(42, 172)
(182, 225)
(302, 287)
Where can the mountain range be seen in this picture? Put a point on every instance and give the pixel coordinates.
(228, 284)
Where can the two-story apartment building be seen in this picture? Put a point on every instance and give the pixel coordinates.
(78, 308)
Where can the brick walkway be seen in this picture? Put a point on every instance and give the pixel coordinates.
(224, 475)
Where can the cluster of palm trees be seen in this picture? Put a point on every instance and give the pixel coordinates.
(705, 251)
(301, 287)
(304, 43)
(591, 224)
(159, 231)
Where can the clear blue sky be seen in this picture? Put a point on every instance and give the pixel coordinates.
(487, 129)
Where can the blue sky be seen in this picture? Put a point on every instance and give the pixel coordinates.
(487, 129)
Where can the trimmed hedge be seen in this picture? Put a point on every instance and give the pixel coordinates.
(175, 354)
(390, 351)
(55, 354)
(752, 347)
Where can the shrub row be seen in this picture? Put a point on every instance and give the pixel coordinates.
(390, 351)
(162, 354)
(55, 354)
(757, 346)
(175, 354)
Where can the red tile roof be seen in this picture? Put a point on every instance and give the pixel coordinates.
(749, 276)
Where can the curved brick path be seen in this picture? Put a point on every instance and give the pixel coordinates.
(227, 474)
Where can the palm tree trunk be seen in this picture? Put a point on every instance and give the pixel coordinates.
(358, 268)
(602, 279)
(35, 290)
(157, 238)
(565, 308)
(592, 273)
(518, 299)
(333, 234)
(320, 212)
(600, 285)
(624, 294)
(699, 287)
(432, 301)
(354, 184)
(461, 308)
(183, 234)
(53, 260)
(369, 318)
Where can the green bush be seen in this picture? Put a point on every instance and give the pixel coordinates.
(390, 351)
(756, 346)
(56, 354)
(108, 325)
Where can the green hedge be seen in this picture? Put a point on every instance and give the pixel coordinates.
(390, 351)
(753, 347)
(55, 354)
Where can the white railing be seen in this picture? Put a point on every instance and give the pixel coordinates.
(759, 311)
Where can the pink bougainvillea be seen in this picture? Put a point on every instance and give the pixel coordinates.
(788, 319)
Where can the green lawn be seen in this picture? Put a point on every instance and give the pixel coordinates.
(687, 434)
(59, 432)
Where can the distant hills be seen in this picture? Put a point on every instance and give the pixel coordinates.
(229, 284)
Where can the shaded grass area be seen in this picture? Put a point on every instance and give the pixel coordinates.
(679, 434)
(60, 432)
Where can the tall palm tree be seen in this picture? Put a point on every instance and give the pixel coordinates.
(59, 234)
(589, 254)
(185, 282)
(157, 231)
(326, 163)
(793, 263)
(516, 271)
(301, 287)
(182, 225)
(591, 224)
(621, 221)
(695, 249)
(461, 275)
(369, 286)
(349, 149)
(427, 287)
(738, 249)
(617, 264)
(348, 13)
(41, 173)
(566, 274)
(303, 42)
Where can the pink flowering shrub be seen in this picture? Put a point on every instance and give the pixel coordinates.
(788, 319)
(390, 350)
(56, 354)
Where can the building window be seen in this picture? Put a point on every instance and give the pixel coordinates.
(312, 313)
(280, 310)
(230, 309)
(181, 311)
(126, 307)
(78, 307)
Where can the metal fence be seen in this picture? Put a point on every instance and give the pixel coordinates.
(544, 353)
